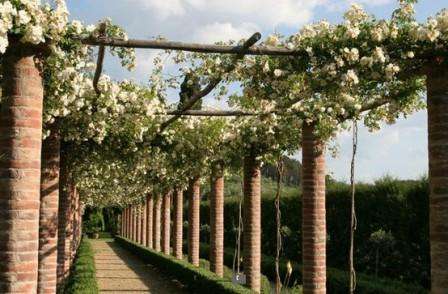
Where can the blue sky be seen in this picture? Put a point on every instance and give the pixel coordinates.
(399, 150)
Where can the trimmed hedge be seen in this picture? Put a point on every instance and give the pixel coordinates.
(82, 279)
(396, 207)
(196, 279)
(337, 280)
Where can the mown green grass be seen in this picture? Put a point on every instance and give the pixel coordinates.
(82, 279)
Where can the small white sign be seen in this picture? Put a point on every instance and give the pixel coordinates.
(239, 278)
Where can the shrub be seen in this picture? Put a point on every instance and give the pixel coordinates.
(82, 279)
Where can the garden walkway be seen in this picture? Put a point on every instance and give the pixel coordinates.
(118, 271)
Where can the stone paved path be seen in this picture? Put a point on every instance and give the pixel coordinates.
(118, 271)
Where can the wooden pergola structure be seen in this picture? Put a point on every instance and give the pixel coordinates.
(30, 256)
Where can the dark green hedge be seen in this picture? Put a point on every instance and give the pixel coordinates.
(82, 279)
(198, 280)
(398, 207)
(337, 280)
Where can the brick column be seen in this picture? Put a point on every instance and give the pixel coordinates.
(178, 223)
(64, 219)
(122, 223)
(20, 163)
(166, 222)
(217, 222)
(143, 225)
(156, 223)
(125, 224)
(194, 201)
(129, 222)
(134, 223)
(437, 85)
(252, 222)
(76, 224)
(313, 212)
(48, 222)
(138, 222)
(149, 220)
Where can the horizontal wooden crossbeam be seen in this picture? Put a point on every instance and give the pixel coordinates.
(212, 113)
(191, 47)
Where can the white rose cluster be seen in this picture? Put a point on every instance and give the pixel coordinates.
(32, 21)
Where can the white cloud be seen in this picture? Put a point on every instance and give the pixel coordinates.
(163, 8)
(215, 32)
(265, 13)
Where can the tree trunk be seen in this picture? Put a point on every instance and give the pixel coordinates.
(156, 223)
(149, 220)
(48, 223)
(20, 164)
(217, 222)
(194, 200)
(252, 222)
(313, 212)
(166, 222)
(437, 85)
(178, 223)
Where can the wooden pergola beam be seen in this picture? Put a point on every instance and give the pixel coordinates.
(212, 113)
(212, 84)
(191, 47)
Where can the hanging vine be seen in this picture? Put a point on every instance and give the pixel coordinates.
(278, 283)
(353, 220)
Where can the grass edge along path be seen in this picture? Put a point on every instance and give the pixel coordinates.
(82, 278)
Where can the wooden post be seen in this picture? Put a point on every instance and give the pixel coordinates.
(194, 201)
(313, 212)
(437, 87)
(178, 223)
(217, 222)
(252, 222)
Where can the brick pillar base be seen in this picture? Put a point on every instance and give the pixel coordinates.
(252, 222)
(217, 223)
(166, 222)
(48, 228)
(194, 201)
(313, 213)
(178, 223)
(437, 85)
(20, 163)
(149, 220)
